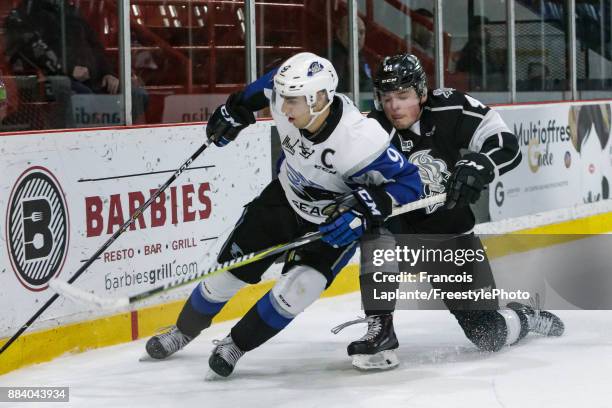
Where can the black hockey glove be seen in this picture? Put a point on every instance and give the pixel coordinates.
(472, 173)
(228, 120)
(374, 203)
(368, 207)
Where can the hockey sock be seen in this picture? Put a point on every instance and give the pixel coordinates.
(260, 324)
(197, 313)
(487, 329)
(375, 279)
(369, 288)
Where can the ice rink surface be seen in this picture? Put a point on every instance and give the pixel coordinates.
(307, 366)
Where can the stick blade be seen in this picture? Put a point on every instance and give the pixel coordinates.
(85, 298)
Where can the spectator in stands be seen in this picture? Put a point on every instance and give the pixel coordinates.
(488, 74)
(340, 57)
(422, 37)
(71, 58)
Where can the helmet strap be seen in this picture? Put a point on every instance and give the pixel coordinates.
(315, 115)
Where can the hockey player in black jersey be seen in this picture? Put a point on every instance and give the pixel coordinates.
(431, 128)
(329, 150)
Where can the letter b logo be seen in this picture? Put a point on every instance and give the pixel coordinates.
(37, 228)
(38, 239)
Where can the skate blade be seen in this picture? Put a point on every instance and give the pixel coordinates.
(212, 376)
(146, 358)
(385, 360)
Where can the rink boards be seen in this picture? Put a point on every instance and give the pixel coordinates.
(64, 193)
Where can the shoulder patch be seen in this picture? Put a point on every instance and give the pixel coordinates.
(445, 92)
(474, 102)
(445, 97)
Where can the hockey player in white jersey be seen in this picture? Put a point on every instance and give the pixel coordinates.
(329, 150)
(432, 128)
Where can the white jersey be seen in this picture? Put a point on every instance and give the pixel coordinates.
(314, 174)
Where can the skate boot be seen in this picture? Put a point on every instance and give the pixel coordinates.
(223, 358)
(376, 349)
(165, 344)
(539, 321)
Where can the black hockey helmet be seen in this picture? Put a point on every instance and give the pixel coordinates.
(399, 72)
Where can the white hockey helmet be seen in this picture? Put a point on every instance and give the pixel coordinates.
(305, 74)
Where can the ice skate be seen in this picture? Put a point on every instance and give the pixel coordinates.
(223, 358)
(376, 349)
(162, 346)
(540, 321)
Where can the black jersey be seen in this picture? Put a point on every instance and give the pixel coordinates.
(451, 121)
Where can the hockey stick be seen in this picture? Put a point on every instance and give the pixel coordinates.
(81, 296)
(108, 243)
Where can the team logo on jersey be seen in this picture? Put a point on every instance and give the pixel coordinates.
(445, 92)
(434, 174)
(314, 68)
(305, 152)
(431, 132)
(407, 145)
(286, 144)
(306, 189)
(37, 228)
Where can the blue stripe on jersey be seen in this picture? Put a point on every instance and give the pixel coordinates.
(279, 161)
(402, 179)
(261, 83)
(348, 254)
(203, 305)
(269, 314)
